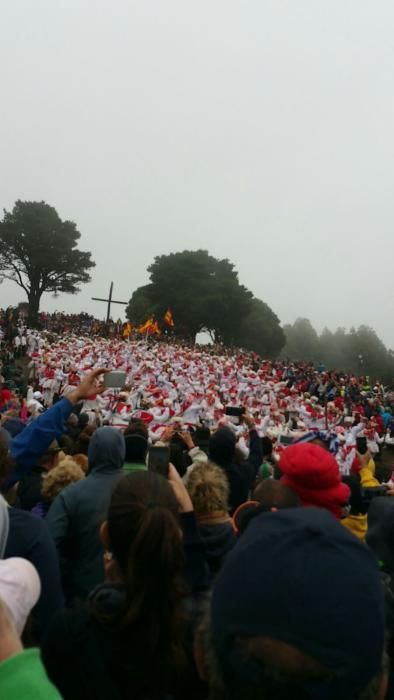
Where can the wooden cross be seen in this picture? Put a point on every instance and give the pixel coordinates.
(110, 301)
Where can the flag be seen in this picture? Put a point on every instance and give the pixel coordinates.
(144, 328)
(150, 326)
(168, 320)
(127, 328)
(154, 329)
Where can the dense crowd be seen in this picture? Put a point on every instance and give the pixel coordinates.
(191, 522)
(13, 324)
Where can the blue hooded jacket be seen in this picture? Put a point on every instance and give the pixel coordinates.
(75, 516)
(30, 444)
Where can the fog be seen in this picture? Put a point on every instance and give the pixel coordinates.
(259, 130)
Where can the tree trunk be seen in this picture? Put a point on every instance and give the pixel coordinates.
(34, 307)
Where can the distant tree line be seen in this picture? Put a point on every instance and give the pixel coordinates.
(358, 350)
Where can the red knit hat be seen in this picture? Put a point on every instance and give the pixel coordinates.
(314, 475)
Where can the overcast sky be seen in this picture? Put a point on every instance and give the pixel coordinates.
(260, 130)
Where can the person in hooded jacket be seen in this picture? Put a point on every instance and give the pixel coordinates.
(75, 515)
(241, 475)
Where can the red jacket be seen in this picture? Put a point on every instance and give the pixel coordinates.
(5, 396)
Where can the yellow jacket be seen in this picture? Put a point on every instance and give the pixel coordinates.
(357, 524)
(367, 475)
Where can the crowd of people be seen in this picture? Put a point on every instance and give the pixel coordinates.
(81, 323)
(183, 521)
(13, 324)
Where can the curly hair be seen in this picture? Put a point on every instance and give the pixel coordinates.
(208, 488)
(82, 461)
(65, 473)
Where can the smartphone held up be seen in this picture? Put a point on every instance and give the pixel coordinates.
(234, 414)
(159, 460)
(114, 380)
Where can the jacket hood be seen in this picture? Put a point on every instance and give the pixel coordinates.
(108, 598)
(106, 450)
(218, 541)
(380, 535)
(218, 538)
(222, 447)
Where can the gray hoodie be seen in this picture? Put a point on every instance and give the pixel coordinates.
(76, 514)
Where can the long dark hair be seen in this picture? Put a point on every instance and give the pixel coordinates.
(146, 542)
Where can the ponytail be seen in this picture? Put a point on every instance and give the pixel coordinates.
(146, 541)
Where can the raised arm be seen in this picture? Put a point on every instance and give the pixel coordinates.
(34, 440)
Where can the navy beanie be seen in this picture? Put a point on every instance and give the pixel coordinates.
(300, 577)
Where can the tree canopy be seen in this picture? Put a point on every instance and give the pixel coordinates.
(302, 341)
(39, 252)
(260, 330)
(204, 293)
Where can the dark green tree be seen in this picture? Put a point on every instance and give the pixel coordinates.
(203, 293)
(327, 348)
(140, 306)
(372, 355)
(302, 341)
(39, 252)
(260, 330)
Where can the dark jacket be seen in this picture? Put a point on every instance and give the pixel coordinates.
(29, 488)
(90, 659)
(29, 538)
(380, 538)
(218, 539)
(380, 535)
(241, 476)
(76, 514)
(5, 436)
(14, 426)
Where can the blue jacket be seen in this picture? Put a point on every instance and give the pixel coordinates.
(387, 416)
(29, 445)
(76, 514)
